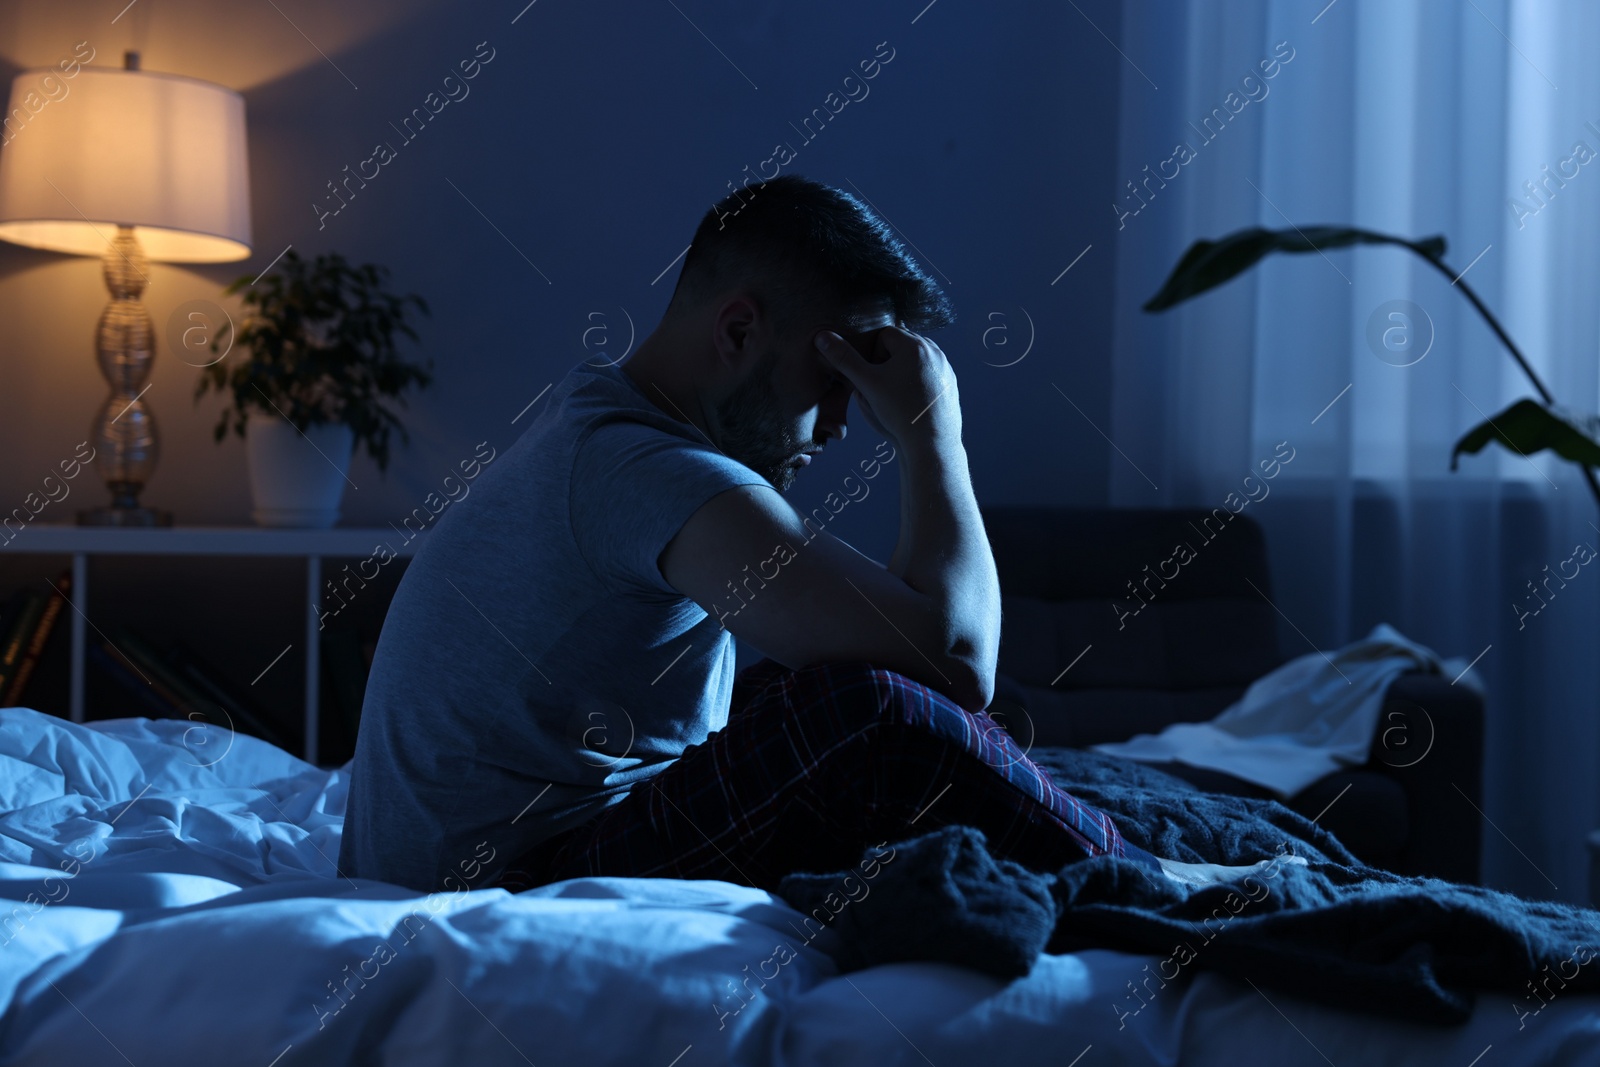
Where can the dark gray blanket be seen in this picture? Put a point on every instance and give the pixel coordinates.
(1333, 930)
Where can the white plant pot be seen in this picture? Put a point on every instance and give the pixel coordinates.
(296, 479)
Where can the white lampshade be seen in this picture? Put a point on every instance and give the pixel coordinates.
(158, 152)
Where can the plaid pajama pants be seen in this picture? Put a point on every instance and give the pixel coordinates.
(813, 767)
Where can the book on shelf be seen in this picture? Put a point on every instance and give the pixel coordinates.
(190, 701)
(121, 670)
(25, 610)
(174, 684)
(245, 712)
(16, 685)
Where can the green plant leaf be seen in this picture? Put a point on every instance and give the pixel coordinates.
(1207, 264)
(317, 344)
(1528, 426)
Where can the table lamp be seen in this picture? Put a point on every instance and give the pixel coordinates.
(131, 166)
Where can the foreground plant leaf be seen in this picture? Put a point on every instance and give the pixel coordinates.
(1528, 426)
(1207, 264)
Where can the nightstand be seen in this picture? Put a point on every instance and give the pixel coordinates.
(82, 542)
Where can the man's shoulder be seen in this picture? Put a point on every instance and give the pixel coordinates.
(612, 438)
(598, 408)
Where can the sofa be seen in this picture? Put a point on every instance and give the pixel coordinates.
(1083, 660)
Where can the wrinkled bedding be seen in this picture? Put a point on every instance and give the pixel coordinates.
(170, 898)
(1306, 918)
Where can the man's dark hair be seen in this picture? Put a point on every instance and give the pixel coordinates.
(807, 250)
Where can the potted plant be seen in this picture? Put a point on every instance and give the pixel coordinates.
(320, 357)
(1525, 427)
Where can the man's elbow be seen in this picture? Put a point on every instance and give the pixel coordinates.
(973, 688)
(974, 658)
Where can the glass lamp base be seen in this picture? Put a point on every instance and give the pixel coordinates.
(112, 516)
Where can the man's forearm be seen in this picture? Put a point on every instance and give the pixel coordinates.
(943, 553)
(897, 561)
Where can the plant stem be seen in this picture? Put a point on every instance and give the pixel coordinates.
(1499, 331)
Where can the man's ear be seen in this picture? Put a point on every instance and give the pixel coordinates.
(739, 330)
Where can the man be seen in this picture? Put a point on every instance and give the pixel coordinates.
(553, 692)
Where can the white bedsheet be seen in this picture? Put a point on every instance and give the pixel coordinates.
(1314, 715)
(184, 910)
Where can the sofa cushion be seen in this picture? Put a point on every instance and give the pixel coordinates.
(1084, 588)
(1040, 715)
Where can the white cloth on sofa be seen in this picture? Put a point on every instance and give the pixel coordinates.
(1315, 714)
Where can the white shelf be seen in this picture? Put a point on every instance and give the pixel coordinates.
(41, 537)
(82, 542)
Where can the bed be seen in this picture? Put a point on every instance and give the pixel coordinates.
(172, 899)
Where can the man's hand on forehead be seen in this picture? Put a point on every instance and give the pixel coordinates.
(866, 342)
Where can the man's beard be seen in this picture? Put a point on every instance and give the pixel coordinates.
(753, 428)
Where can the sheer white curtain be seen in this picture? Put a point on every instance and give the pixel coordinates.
(1414, 118)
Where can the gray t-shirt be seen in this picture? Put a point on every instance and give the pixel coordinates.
(534, 663)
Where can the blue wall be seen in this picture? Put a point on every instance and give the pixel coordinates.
(591, 143)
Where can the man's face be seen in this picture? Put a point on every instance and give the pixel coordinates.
(791, 402)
